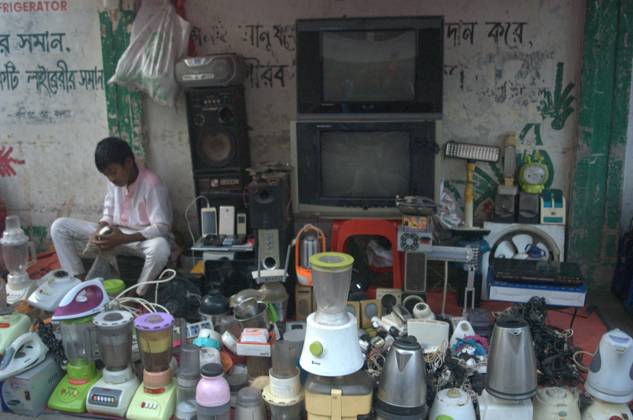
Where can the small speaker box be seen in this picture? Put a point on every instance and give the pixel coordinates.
(387, 299)
(414, 272)
(368, 309)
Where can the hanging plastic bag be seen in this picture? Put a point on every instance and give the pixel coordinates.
(159, 38)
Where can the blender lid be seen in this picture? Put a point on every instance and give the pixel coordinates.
(512, 322)
(13, 234)
(112, 319)
(453, 397)
(113, 286)
(214, 304)
(212, 369)
(249, 397)
(154, 321)
(331, 261)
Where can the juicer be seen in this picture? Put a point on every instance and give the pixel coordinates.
(15, 252)
(113, 392)
(331, 343)
(283, 393)
(155, 398)
(78, 339)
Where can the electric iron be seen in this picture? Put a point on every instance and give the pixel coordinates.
(54, 287)
(25, 352)
(85, 299)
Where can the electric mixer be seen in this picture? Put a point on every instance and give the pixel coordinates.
(114, 391)
(335, 388)
(155, 398)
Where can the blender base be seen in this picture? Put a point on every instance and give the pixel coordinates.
(493, 408)
(69, 397)
(146, 406)
(112, 398)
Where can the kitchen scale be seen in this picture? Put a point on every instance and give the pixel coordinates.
(113, 392)
(155, 398)
(71, 392)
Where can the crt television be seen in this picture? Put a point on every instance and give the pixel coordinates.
(389, 65)
(357, 168)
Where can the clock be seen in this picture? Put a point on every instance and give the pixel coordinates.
(533, 175)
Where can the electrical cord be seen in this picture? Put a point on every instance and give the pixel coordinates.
(123, 301)
(194, 201)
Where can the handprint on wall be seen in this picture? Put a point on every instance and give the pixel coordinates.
(7, 161)
(557, 105)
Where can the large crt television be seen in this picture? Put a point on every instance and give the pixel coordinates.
(370, 65)
(357, 168)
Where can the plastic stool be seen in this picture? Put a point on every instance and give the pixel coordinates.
(342, 230)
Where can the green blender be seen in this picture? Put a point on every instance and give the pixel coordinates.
(78, 337)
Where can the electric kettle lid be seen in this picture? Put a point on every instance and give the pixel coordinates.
(512, 322)
(453, 397)
(408, 342)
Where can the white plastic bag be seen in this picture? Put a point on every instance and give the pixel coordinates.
(378, 256)
(159, 38)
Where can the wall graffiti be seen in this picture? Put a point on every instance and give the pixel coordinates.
(557, 105)
(462, 33)
(266, 74)
(7, 161)
(44, 116)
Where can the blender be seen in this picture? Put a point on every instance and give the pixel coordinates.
(331, 344)
(15, 252)
(113, 392)
(336, 388)
(155, 398)
(283, 393)
(78, 340)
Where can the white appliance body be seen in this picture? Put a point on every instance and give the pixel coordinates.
(112, 393)
(452, 403)
(600, 410)
(555, 403)
(52, 290)
(493, 408)
(610, 373)
(341, 354)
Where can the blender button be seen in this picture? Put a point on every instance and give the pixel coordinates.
(316, 348)
(143, 404)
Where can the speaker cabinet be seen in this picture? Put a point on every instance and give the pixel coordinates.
(414, 272)
(268, 201)
(368, 309)
(218, 129)
(387, 299)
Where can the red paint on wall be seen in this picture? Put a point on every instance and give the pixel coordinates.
(7, 161)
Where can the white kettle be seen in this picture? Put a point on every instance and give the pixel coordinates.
(556, 403)
(452, 403)
(610, 377)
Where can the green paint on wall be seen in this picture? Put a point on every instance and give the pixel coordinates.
(557, 105)
(124, 107)
(531, 127)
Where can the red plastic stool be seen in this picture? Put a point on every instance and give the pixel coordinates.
(388, 229)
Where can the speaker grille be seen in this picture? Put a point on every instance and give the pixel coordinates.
(216, 148)
(414, 272)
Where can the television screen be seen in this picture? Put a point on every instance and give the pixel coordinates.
(365, 163)
(369, 66)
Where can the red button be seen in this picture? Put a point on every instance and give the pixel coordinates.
(4, 325)
(143, 404)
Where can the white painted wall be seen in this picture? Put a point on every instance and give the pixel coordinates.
(491, 87)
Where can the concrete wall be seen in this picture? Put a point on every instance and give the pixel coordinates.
(503, 61)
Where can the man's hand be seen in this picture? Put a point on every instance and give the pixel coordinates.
(111, 240)
(94, 236)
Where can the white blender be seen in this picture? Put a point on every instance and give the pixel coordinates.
(609, 379)
(15, 251)
(113, 392)
(336, 388)
(53, 287)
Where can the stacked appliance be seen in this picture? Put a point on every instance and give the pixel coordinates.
(218, 133)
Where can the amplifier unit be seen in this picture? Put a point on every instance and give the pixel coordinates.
(211, 70)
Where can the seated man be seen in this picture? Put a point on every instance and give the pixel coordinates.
(136, 207)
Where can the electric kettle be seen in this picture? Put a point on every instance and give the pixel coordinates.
(610, 375)
(511, 361)
(402, 389)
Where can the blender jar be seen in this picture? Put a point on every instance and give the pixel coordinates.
(15, 246)
(114, 337)
(331, 278)
(78, 339)
(154, 335)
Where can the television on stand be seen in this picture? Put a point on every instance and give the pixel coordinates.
(369, 67)
(347, 169)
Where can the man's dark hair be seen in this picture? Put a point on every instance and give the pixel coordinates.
(112, 150)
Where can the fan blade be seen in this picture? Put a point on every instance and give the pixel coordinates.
(522, 241)
(505, 250)
(546, 252)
